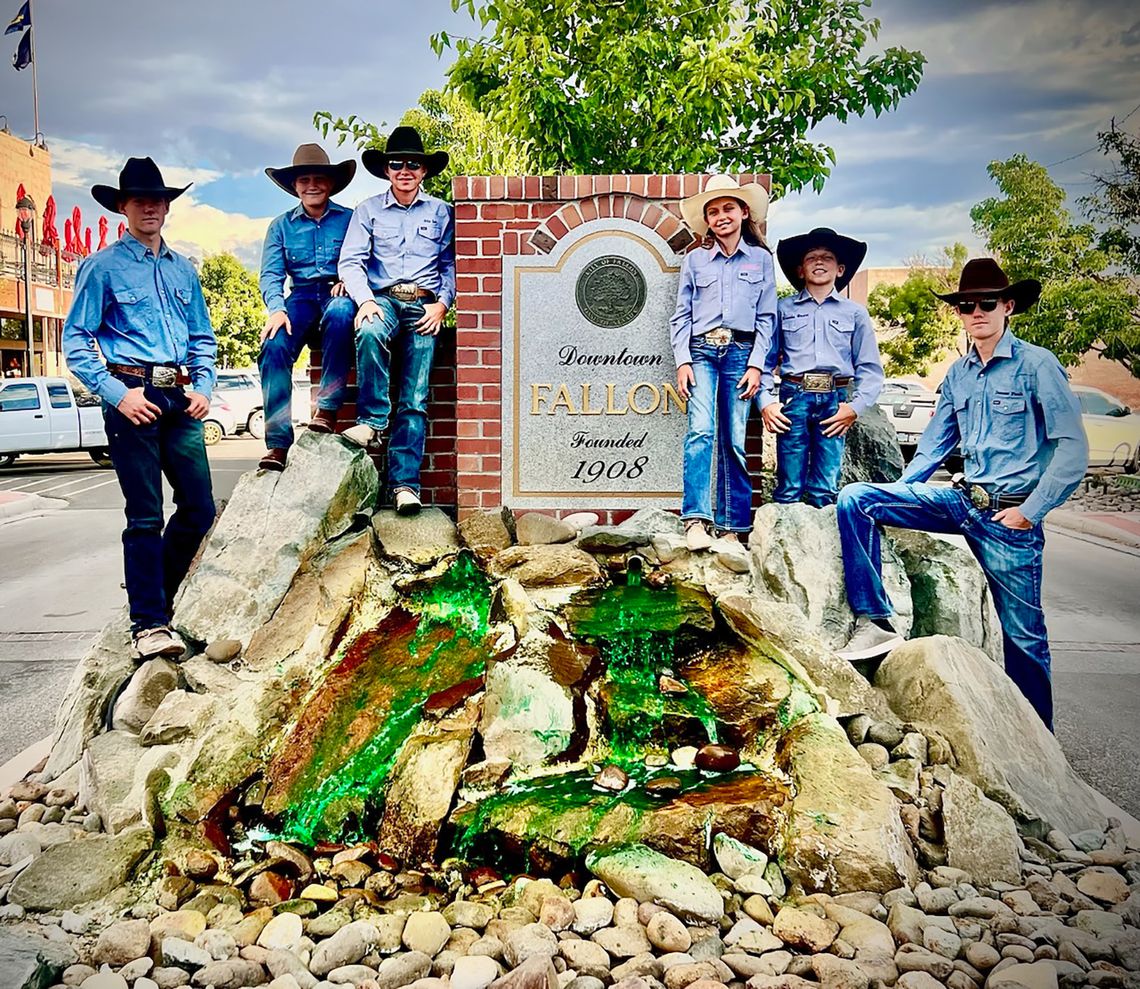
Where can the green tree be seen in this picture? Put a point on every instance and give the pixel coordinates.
(236, 309)
(1083, 306)
(920, 328)
(677, 85)
(448, 122)
(1116, 201)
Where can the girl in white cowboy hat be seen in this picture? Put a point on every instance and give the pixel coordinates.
(721, 332)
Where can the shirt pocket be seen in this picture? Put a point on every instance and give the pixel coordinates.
(134, 305)
(840, 331)
(962, 416)
(184, 296)
(429, 232)
(1009, 411)
(797, 330)
(706, 298)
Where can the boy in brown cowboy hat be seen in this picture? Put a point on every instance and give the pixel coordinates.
(1009, 405)
(830, 370)
(304, 244)
(142, 305)
(398, 264)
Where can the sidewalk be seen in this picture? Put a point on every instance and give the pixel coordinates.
(17, 504)
(1122, 528)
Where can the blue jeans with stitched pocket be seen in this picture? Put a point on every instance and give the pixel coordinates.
(807, 462)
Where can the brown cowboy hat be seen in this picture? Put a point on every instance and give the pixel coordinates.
(139, 177)
(753, 195)
(983, 277)
(849, 252)
(310, 159)
(404, 142)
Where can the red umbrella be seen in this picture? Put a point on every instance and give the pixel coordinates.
(86, 241)
(122, 230)
(102, 233)
(20, 194)
(68, 237)
(51, 235)
(77, 229)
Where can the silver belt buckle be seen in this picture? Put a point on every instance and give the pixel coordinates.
(404, 291)
(819, 381)
(721, 337)
(163, 377)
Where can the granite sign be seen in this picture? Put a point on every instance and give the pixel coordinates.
(591, 413)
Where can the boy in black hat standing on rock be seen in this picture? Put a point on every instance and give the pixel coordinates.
(142, 304)
(398, 264)
(304, 244)
(828, 360)
(1009, 405)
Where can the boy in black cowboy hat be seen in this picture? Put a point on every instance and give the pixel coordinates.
(830, 371)
(304, 244)
(142, 304)
(398, 263)
(1009, 405)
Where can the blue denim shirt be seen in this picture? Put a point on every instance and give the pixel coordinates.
(388, 243)
(737, 292)
(835, 335)
(305, 249)
(139, 309)
(1018, 422)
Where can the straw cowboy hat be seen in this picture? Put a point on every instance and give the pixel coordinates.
(404, 142)
(753, 195)
(848, 252)
(310, 159)
(983, 277)
(139, 177)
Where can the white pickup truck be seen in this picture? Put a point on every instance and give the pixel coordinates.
(47, 415)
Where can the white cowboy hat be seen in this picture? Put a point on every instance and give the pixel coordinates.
(753, 195)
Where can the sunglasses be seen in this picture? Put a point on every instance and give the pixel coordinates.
(967, 306)
(411, 166)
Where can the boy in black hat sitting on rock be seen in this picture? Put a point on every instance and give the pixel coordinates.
(398, 264)
(829, 366)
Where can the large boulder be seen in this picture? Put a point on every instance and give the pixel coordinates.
(29, 961)
(119, 779)
(797, 560)
(547, 566)
(981, 838)
(845, 833)
(528, 717)
(637, 871)
(151, 682)
(999, 743)
(424, 538)
(272, 526)
(871, 451)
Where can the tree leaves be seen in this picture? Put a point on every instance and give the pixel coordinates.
(236, 310)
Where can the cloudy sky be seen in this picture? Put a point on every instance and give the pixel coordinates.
(217, 91)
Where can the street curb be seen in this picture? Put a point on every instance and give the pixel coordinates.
(22, 763)
(1075, 522)
(28, 504)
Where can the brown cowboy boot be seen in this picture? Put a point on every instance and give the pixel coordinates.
(273, 460)
(324, 421)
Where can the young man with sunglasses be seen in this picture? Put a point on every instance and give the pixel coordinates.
(1008, 405)
(398, 264)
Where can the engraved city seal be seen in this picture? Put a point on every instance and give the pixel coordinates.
(610, 291)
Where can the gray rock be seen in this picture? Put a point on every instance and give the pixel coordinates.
(485, 533)
(1038, 975)
(941, 942)
(871, 450)
(667, 933)
(179, 715)
(467, 913)
(29, 961)
(474, 972)
(529, 941)
(118, 777)
(151, 682)
(122, 942)
(179, 953)
(838, 973)
(592, 913)
(638, 871)
(236, 973)
(623, 942)
(424, 538)
(546, 566)
(104, 980)
(537, 529)
(346, 947)
(527, 716)
(913, 958)
(223, 650)
(586, 957)
(218, 944)
(17, 846)
(403, 970)
(638, 530)
(67, 875)
(918, 980)
(736, 858)
(801, 929)
(281, 963)
(981, 837)
(426, 932)
(535, 973)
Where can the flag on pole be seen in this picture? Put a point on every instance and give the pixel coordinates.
(22, 19)
(23, 57)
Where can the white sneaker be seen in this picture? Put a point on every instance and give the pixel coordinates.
(868, 641)
(407, 502)
(697, 536)
(361, 434)
(159, 641)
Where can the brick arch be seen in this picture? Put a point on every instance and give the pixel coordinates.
(662, 218)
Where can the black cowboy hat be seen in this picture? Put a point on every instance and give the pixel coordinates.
(139, 177)
(983, 276)
(311, 159)
(848, 252)
(404, 142)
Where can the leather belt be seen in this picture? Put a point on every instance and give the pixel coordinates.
(982, 497)
(159, 375)
(818, 381)
(408, 292)
(723, 336)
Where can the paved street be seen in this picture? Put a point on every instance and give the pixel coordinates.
(60, 577)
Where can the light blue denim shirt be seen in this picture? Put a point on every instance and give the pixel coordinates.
(737, 292)
(388, 243)
(1018, 422)
(139, 309)
(835, 335)
(305, 249)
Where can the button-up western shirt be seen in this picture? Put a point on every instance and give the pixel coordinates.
(737, 292)
(835, 335)
(140, 309)
(1018, 423)
(305, 249)
(388, 243)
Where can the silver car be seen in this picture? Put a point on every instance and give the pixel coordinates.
(241, 390)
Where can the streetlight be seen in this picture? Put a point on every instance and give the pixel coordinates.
(26, 212)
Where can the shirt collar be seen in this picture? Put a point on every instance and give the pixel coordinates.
(390, 200)
(742, 247)
(298, 211)
(805, 296)
(1004, 348)
(139, 250)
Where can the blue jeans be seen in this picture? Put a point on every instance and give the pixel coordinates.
(717, 411)
(807, 462)
(1010, 559)
(155, 560)
(393, 333)
(309, 309)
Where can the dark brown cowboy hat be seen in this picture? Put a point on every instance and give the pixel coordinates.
(983, 277)
(310, 159)
(848, 252)
(139, 177)
(404, 142)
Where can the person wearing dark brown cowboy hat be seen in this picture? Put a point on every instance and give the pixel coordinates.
(398, 263)
(303, 244)
(1008, 405)
(829, 366)
(142, 306)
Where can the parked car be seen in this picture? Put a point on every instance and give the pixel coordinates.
(909, 406)
(302, 408)
(219, 421)
(242, 391)
(48, 415)
(1112, 428)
